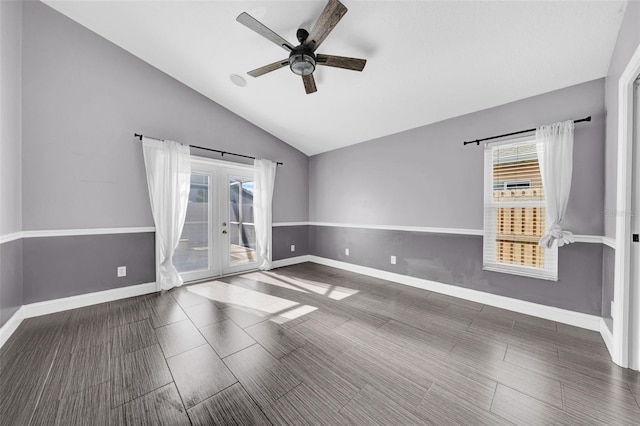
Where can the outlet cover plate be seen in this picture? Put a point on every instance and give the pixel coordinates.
(393, 260)
(122, 271)
(293, 247)
(346, 252)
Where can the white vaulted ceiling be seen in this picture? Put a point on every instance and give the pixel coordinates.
(427, 60)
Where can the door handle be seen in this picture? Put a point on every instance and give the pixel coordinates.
(224, 231)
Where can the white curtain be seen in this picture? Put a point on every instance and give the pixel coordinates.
(168, 166)
(264, 172)
(555, 154)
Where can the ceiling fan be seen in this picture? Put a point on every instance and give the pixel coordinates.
(302, 58)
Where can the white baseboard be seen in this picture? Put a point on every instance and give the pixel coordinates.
(290, 261)
(72, 302)
(606, 336)
(10, 326)
(82, 300)
(577, 319)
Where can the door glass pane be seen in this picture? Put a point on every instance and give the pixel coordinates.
(242, 235)
(192, 253)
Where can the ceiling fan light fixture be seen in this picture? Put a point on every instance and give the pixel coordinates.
(302, 63)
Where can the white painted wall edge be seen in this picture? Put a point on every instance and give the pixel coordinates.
(72, 302)
(129, 230)
(291, 261)
(11, 325)
(73, 232)
(607, 336)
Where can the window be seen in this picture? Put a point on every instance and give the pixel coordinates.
(514, 219)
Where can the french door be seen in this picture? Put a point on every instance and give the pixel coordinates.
(218, 237)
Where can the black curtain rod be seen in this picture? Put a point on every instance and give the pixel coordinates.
(222, 153)
(477, 141)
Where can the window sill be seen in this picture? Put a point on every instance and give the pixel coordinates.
(522, 271)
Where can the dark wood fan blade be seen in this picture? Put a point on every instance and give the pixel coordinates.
(253, 24)
(331, 15)
(309, 83)
(268, 68)
(354, 64)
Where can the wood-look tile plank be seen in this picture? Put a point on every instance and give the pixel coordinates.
(199, 374)
(370, 337)
(131, 337)
(582, 374)
(464, 383)
(22, 376)
(514, 376)
(275, 338)
(245, 317)
(521, 409)
(324, 338)
(312, 366)
(225, 337)
(232, 406)
(123, 312)
(179, 337)
(90, 406)
(187, 298)
(399, 384)
(137, 373)
(166, 313)
(420, 340)
(604, 402)
(304, 406)
(85, 334)
(159, 407)
(440, 407)
(371, 407)
(73, 372)
(587, 344)
(204, 314)
(262, 375)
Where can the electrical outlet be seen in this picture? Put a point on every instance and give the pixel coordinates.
(613, 309)
(393, 260)
(346, 252)
(293, 247)
(122, 271)
(636, 238)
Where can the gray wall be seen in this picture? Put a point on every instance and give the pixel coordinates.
(626, 44)
(10, 157)
(457, 260)
(11, 291)
(10, 118)
(285, 236)
(426, 177)
(56, 267)
(82, 100)
(84, 97)
(608, 275)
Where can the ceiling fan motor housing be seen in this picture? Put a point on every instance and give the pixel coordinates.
(302, 61)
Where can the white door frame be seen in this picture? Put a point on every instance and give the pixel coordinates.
(226, 165)
(622, 304)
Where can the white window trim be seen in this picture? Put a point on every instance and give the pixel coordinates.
(550, 272)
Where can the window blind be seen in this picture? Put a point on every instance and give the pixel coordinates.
(514, 218)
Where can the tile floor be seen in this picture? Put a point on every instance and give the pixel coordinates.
(307, 344)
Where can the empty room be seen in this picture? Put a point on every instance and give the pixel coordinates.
(321, 212)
